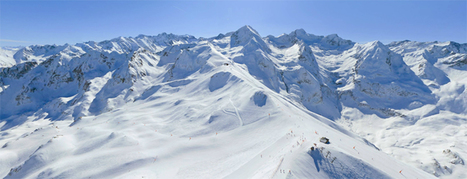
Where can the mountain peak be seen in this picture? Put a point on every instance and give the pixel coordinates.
(248, 37)
(376, 44)
(335, 40)
(247, 30)
(332, 36)
(376, 58)
(299, 32)
(394, 43)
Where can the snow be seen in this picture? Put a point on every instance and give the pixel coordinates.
(6, 56)
(234, 106)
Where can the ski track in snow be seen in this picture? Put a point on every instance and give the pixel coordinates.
(236, 111)
(278, 168)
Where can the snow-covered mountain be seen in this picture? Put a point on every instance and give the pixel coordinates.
(237, 105)
(6, 56)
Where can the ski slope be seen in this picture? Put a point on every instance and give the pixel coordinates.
(149, 138)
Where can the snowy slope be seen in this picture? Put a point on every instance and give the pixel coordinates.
(430, 136)
(233, 106)
(6, 56)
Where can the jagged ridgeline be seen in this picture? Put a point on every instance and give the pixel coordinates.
(367, 76)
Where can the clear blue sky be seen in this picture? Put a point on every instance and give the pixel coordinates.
(59, 22)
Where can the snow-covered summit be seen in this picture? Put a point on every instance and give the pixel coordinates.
(329, 42)
(378, 62)
(381, 78)
(248, 38)
(334, 40)
(39, 53)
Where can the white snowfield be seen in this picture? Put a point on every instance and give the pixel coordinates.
(234, 106)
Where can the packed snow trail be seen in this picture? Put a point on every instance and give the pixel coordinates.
(277, 168)
(236, 111)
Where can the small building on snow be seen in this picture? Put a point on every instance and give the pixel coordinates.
(324, 140)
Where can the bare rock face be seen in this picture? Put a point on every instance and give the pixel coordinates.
(455, 158)
(259, 98)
